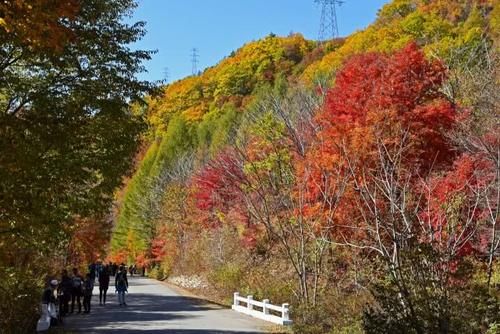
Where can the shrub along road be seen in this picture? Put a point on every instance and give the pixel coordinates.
(153, 307)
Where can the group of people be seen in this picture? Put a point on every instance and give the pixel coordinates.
(71, 289)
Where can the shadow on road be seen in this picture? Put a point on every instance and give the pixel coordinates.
(154, 308)
(140, 307)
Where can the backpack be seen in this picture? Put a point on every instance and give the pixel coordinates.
(77, 282)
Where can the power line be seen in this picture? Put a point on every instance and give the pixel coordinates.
(194, 60)
(328, 25)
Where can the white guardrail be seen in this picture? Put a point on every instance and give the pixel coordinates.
(265, 314)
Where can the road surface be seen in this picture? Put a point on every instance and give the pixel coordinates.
(153, 307)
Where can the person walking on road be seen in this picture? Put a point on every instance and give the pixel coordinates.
(77, 290)
(65, 289)
(103, 284)
(92, 271)
(98, 269)
(121, 285)
(49, 315)
(88, 287)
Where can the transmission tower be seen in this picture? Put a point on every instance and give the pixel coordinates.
(328, 26)
(194, 60)
(166, 74)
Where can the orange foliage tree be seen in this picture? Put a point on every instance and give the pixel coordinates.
(385, 117)
(89, 241)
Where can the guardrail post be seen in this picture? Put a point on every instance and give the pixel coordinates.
(285, 315)
(249, 302)
(265, 310)
(235, 301)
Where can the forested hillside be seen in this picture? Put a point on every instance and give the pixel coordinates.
(357, 178)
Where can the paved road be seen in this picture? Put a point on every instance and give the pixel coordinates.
(155, 308)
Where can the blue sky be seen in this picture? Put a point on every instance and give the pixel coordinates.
(217, 27)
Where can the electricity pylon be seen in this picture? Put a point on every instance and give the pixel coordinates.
(166, 74)
(194, 60)
(329, 28)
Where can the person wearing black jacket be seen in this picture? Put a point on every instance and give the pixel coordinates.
(103, 284)
(76, 291)
(65, 288)
(88, 287)
(49, 299)
(48, 296)
(121, 284)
